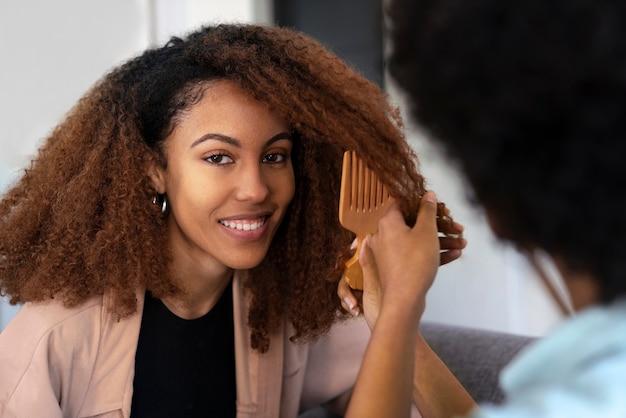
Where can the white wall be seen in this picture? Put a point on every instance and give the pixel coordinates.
(174, 17)
(52, 51)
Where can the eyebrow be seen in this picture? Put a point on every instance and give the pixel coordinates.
(235, 142)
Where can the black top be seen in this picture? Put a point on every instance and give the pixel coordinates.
(185, 368)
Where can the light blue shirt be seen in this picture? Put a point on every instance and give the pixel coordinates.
(577, 372)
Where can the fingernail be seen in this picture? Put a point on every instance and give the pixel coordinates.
(354, 310)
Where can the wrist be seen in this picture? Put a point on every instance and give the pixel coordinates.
(404, 303)
(405, 312)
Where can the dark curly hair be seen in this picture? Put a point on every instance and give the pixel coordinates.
(529, 98)
(80, 221)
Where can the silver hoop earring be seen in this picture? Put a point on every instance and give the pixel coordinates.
(160, 200)
(164, 205)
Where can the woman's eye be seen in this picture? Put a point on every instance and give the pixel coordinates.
(219, 159)
(274, 158)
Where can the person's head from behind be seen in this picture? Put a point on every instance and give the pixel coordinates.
(240, 130)
(528, 97)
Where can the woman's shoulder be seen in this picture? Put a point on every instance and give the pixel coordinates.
(48, 346)
(44, 327)
(37, 336)
(38, 318)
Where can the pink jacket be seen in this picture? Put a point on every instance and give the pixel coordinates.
(58, 362)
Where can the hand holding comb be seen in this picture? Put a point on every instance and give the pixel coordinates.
(363, 200)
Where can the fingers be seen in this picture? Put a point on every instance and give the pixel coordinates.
(450, 243)
(457, 228)
(446, 257)
(447, 225)
(349, 301)
(451, 249)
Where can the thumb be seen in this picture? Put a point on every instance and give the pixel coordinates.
(368, 265)
(427, 213)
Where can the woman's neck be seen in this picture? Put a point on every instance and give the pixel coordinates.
(197, 302)
(202, 284)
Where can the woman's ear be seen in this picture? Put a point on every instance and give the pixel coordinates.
(157, 176)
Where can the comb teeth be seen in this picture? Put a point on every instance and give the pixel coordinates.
(367, 193)
(363, 200)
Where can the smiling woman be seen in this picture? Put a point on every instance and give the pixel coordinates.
(211, 301)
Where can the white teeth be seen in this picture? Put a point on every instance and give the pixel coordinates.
(243, 225)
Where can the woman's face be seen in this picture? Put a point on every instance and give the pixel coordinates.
(229, 179)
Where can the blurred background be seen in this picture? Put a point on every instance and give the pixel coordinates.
(53, 51)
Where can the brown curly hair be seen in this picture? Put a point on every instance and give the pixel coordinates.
(80, 221)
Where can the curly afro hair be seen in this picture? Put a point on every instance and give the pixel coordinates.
(529, 98)
(80, 221)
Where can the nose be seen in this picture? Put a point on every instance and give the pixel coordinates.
(252, 185)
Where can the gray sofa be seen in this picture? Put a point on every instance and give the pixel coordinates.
(475, 356)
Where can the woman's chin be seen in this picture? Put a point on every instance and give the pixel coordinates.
(246, 264)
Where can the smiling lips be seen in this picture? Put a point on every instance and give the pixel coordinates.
(244, 224)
